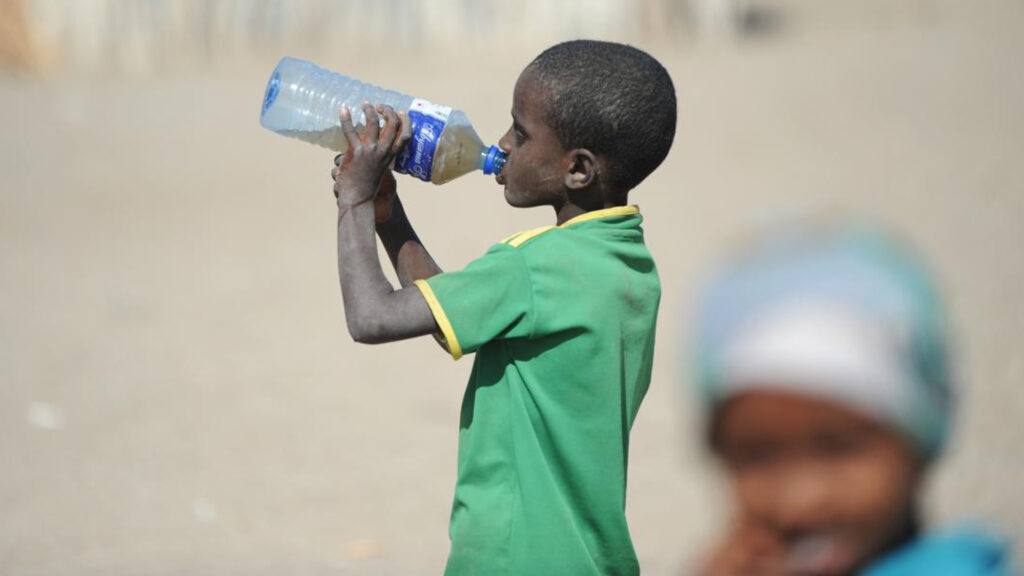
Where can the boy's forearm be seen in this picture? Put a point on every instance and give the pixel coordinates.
(374, 310)
(408, 255)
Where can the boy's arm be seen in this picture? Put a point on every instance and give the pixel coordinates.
(374, 310)
(408, 255)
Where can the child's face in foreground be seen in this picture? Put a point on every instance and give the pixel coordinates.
(534, 174)
(824, 489)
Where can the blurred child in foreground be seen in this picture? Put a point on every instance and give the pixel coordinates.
(824, 365)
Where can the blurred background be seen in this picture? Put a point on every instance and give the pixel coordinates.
(178, 393)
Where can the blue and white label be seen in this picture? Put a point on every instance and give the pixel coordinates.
(428, 121)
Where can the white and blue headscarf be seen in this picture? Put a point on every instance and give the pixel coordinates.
(841, 313)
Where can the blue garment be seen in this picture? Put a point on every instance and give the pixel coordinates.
(951, 553)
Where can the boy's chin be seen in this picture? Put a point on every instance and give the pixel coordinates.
(518, 200)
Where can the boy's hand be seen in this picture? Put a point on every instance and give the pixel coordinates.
(359, 171)
(748, 550)
(384, 201)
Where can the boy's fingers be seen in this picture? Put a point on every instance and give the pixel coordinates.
(387, 137)
(372, 124)
(405, 134)
(348, 130)
(337, 166)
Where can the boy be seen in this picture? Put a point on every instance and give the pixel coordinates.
(823, 363)
(561, 318)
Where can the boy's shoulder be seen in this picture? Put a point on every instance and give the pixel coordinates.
(960, 551)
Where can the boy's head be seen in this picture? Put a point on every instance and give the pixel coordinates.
(823, 364)
(587, 112)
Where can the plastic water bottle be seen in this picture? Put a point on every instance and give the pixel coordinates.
(303, 100)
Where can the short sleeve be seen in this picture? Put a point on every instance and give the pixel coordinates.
(489, 299)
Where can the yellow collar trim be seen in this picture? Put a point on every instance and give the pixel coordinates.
(598, 214)
(520, 238)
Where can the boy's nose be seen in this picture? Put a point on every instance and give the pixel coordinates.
(803, 501)
(504, 143)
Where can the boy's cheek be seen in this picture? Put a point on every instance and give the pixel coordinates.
(880, 488)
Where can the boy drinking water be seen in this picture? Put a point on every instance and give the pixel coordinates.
(561, 318)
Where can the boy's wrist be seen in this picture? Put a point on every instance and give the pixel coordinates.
(354, 208)
(353, 193)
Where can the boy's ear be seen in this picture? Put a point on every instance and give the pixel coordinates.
(583, 169)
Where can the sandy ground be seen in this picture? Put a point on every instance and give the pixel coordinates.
(178, 394)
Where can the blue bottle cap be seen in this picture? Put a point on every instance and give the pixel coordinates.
(495, 160)
(273, 87)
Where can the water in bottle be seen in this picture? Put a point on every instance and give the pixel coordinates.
(302, 100)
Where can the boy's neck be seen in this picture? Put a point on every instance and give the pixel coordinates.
(570, 210)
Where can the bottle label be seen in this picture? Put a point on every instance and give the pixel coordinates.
(428, 121)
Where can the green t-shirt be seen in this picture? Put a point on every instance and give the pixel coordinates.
(562, 321)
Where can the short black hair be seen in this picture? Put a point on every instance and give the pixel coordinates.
(612, 99)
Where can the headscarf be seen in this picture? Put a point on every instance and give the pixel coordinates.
(841, 313)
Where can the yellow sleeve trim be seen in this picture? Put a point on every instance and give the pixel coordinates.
(605, 213)
(450, 341)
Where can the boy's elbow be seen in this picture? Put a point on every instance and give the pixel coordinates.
(364, 329)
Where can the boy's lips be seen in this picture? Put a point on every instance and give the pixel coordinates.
(500, 177)
(818, 554)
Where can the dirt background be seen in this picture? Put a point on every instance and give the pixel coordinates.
(178, 394)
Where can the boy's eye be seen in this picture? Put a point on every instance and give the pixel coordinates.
(838, 445)
(519, 134)
(751, 456)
